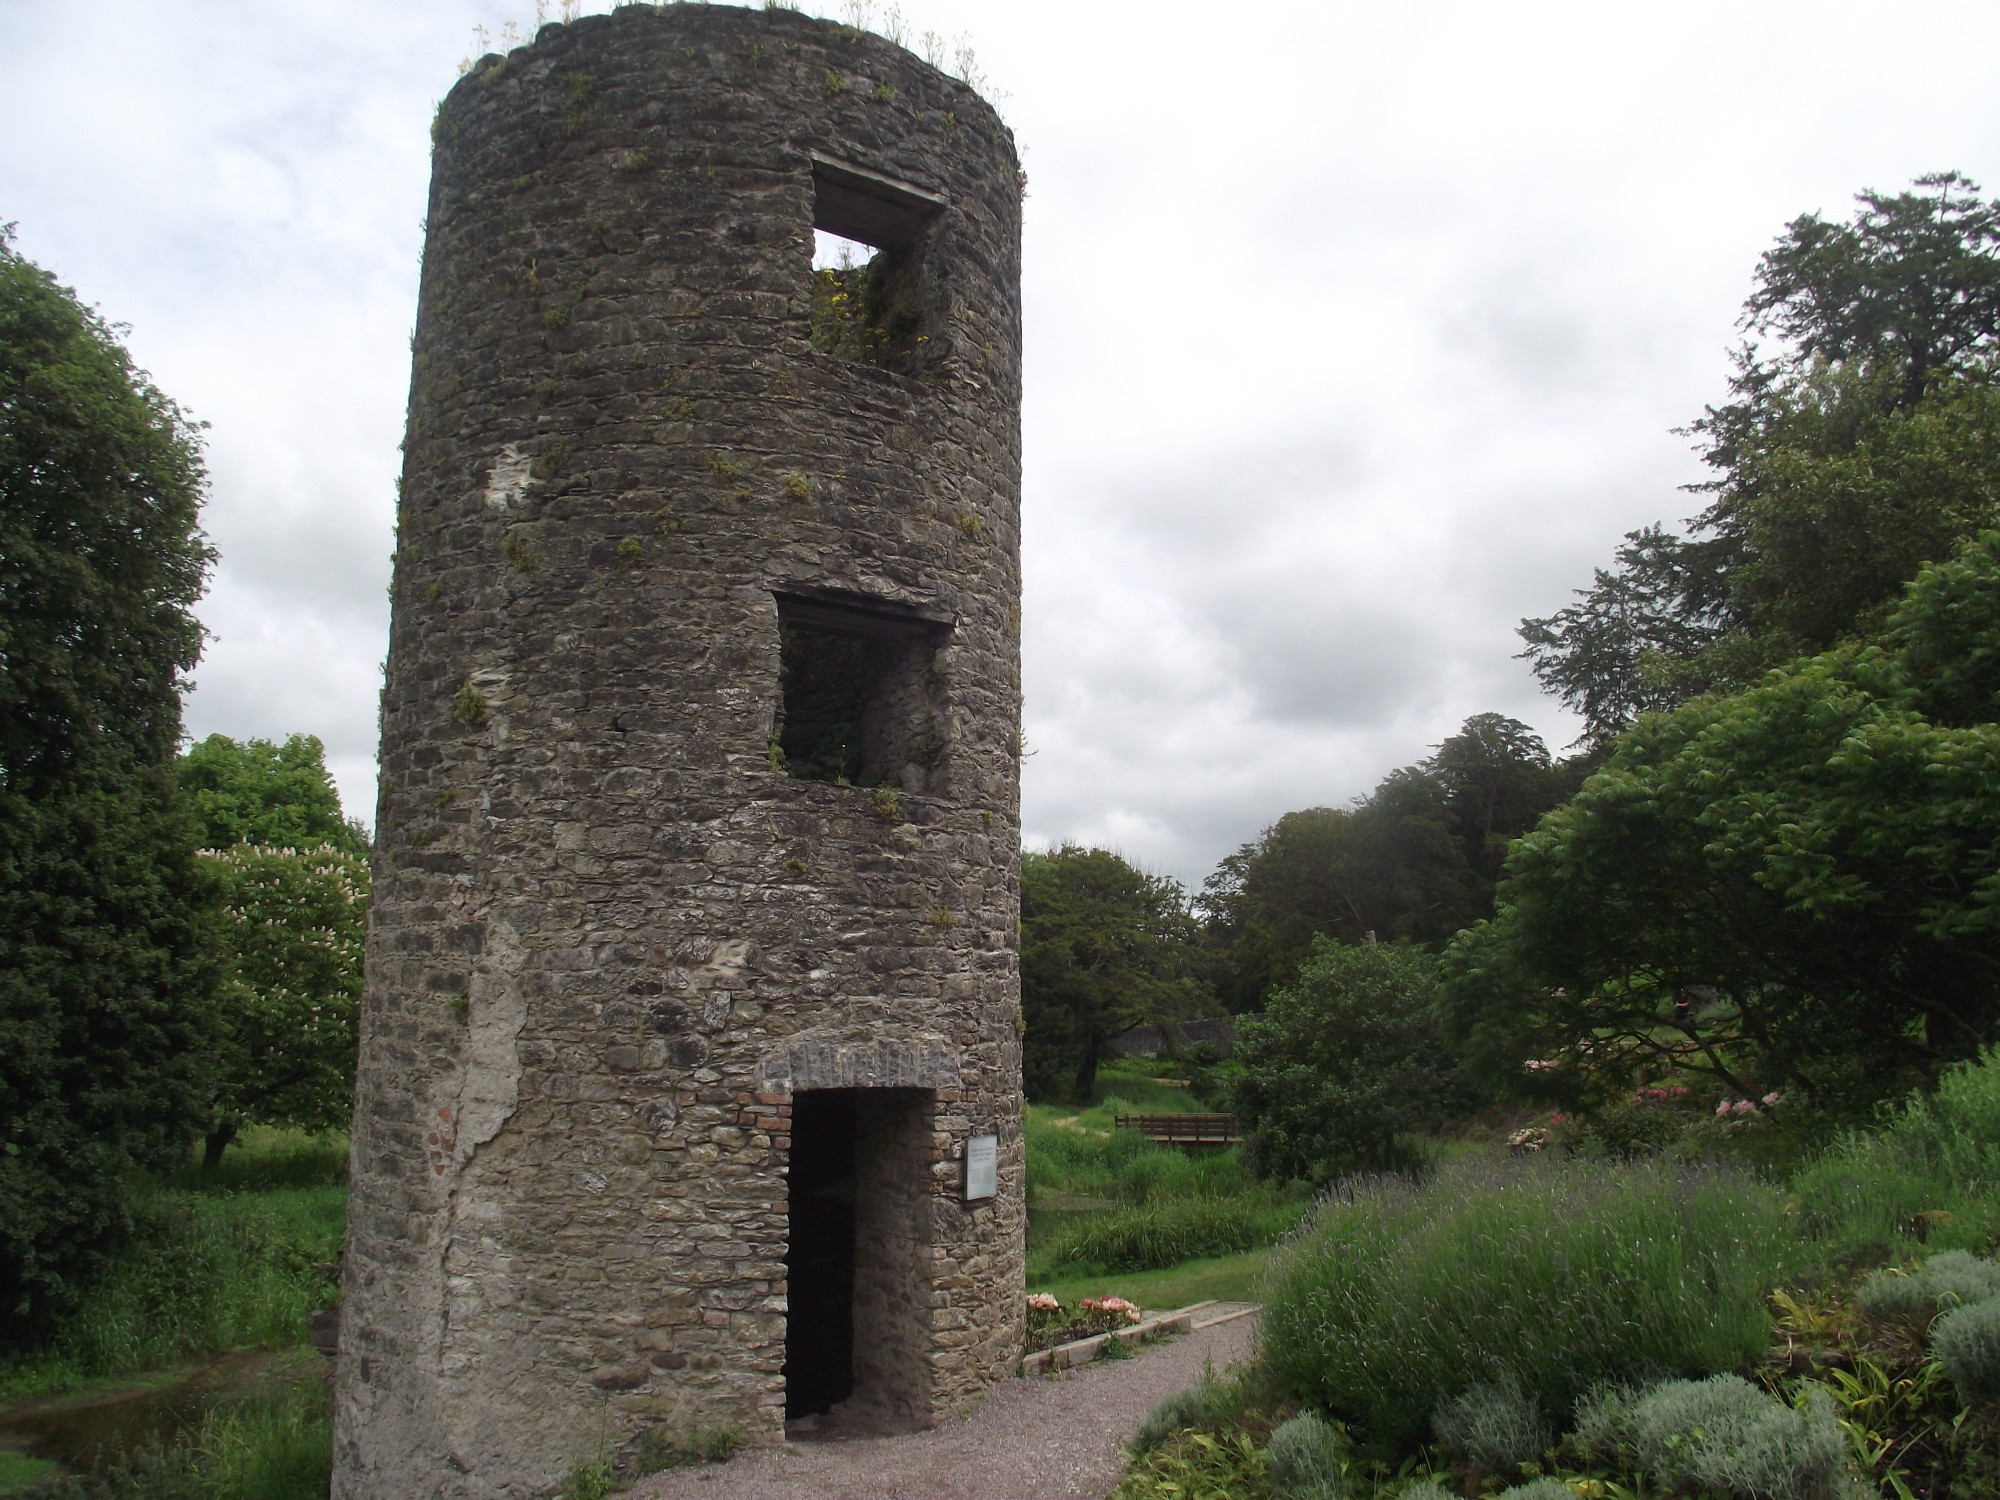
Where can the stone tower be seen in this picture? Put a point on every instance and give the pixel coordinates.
(690, 1066)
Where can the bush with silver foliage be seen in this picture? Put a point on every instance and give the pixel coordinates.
(1725, 1436)
(1966, 1342)
(1305, 1455)
(1494, 1425)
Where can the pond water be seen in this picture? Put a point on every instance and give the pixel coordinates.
(87, 1431)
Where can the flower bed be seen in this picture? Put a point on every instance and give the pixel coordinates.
(1050, 1323)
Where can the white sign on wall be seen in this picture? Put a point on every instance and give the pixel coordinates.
(982, 1167)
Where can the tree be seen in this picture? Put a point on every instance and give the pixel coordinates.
(258, 792)
(1412, 862)
(1104, 947)
(1344, 1064)
(1498, 780)
(105, 992)
(1868, 445)
(1794, 886)
(289, 932)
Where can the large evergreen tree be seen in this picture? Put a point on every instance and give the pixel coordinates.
(104, 994)
(1862, 444)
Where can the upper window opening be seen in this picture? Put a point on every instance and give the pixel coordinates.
(868, 279)
(837, 252)
(862, 701)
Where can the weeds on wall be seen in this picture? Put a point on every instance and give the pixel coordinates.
(868, 313)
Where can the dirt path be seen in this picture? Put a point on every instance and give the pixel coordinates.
(1049, 1438)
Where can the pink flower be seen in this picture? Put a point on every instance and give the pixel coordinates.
(1043, 1302)
(1773, 1097)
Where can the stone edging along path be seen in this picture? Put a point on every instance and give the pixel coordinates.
(1057, 1436)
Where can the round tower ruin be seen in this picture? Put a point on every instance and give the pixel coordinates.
(689, 1090)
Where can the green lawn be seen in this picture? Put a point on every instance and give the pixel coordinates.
(1229, 1278)
(19, 1472)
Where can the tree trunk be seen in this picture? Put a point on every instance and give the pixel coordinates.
(214, 1144)
(1086, 1070)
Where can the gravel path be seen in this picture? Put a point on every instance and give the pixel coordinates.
(1048, 1438)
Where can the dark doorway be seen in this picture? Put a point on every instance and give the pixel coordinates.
(819, 1260)
(857, 1263)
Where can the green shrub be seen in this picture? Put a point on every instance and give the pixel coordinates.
(1344, 1063)
(1571, 1274)
(1724, 1435)
(1494, 1425)
(1223, 1464)
(1603, 1429)
(1211, 1403)
(1305, 1457)
(1938, 1157)
(1912, 1299)
(1966, 1342)
(1430, 1489)
(1539, 1489)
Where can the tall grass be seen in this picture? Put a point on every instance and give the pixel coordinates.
(1106, 1201)
(274, 1444)
(226, 1261)
(1123, 1164)
(1154, 1236)
(1559, 1274)
(1928, 1179)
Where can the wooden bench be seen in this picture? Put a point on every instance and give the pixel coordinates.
(1183, 1130)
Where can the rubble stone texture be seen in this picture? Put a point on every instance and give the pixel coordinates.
(659, 551)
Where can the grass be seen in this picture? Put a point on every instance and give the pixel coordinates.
(1927, 1180)
(274, 1443)
(20, 1472)
(230, 1260)
(1104, 1202)
(1164, 1233)
(1228, 1278)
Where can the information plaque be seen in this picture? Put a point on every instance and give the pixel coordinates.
(982, 1175)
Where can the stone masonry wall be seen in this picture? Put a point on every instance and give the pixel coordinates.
(610, 937)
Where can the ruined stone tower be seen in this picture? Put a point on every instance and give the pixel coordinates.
(690, 1069)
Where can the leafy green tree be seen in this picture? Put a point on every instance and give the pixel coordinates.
(1345, 1063)
(1412, 862)
(289, 933)
(258, 792)
(1104, 947)
(1866, 447)
(1498, 780)
(105, 994)
(1795, 886)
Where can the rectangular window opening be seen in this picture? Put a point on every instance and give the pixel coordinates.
(862, 699)
(868, 283)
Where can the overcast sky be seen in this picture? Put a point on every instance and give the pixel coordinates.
(1355, 333)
